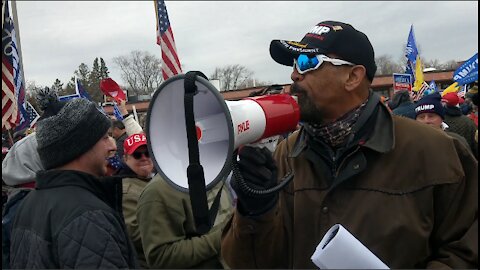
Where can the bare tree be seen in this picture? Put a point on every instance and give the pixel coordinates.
(254, 82)
(141, 71)
(450, 65)
(232, 76)
(31, 91)
(435, 63)
(385, 65)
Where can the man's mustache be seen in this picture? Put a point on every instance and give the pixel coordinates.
(296, 89)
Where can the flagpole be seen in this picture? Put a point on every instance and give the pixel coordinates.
(17, 34)
(76, 86)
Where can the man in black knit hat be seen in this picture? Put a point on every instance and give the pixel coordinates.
(72, 219)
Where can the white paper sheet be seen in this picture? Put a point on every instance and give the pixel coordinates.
(339, 249)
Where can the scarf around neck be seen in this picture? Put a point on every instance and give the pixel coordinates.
(335, 133)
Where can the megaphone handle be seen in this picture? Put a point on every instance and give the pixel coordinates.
(243, 185)
(198, 198)
(195, 173)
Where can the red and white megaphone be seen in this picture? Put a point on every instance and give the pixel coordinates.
(222, 126)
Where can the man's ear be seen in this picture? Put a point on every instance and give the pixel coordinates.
(356, 76)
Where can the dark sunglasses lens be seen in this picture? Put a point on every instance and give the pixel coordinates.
(138, 155)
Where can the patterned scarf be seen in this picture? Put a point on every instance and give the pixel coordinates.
(335, 133)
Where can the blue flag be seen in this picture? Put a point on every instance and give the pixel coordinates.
(433, 86)
(33, 115)
(68, 97)
(116, 112)
(468, 72)
(411, 52)
(81, 91)
(409, 69)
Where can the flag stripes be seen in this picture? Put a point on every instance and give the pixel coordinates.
(13, 92)
(170, 62)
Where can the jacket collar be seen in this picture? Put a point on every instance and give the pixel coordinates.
(108, 189)
(453, 110)
(382, 138)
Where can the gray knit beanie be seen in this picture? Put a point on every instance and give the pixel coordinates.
(76, 128)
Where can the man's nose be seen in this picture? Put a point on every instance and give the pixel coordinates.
(295, 76)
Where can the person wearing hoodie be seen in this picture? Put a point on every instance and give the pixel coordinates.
(20, 166)
(401, 104)
(136, 174)
(18, 171)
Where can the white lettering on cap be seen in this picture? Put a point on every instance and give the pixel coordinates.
(136, 138)
(424, 107)
(319, 30)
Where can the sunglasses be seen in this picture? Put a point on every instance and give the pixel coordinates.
(304, 63)
(138, 155)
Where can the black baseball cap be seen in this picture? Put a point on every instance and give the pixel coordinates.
(327, 37)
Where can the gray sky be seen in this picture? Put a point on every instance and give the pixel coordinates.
(56, 36)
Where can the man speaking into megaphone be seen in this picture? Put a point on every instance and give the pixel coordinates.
(406, 191)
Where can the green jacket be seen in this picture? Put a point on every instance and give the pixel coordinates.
(167, 227)
(408, 192)
(132, 188)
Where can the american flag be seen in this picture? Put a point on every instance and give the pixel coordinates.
(32, 114)
(462, 92)
(170, 62)
(417, 95)
(13, 92)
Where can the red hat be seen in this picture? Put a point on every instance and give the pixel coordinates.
(133, 142)
(451, 99)
(110, 88)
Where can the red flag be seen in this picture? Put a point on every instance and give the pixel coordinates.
(170, 62)
(110, 88)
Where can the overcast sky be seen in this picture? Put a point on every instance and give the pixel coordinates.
(56, 36)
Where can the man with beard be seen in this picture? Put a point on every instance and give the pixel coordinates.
(405, 190)
(73, 219)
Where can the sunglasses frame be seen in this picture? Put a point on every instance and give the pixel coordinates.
(320, 58)
(143, 153)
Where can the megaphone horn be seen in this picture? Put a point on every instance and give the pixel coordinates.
(221, 127)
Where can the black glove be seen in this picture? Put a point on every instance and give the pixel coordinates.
(259, 172)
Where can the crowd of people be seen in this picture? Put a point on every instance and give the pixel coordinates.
(401, 176)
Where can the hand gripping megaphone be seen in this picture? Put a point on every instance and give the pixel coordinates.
(221, 127)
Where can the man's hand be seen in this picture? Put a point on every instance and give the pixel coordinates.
(123, 107)
(259, 172)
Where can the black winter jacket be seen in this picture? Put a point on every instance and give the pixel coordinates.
(462, 125)
(71, 220)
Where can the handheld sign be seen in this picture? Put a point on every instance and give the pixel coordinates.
(110, 88)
